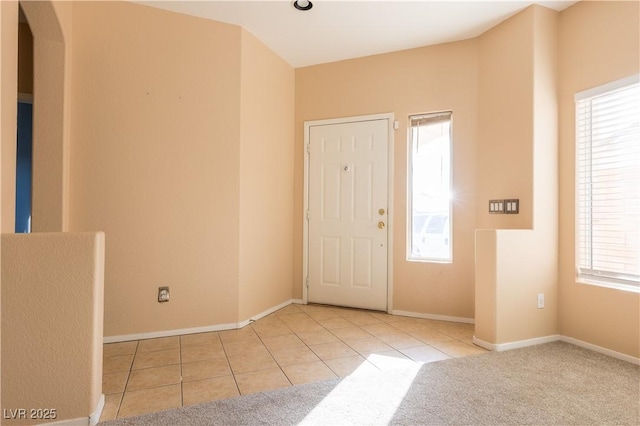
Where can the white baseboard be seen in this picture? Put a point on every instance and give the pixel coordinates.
(298, 302)
(265, 313)
(434, 317)
(528, 342)
(499, 347)
(488, 346)
(601, 350)
(205, 329)
(168, 333)
(82, 421)
(92, 420)
(95, 416)
(547, 339)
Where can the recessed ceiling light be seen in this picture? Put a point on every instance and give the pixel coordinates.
(302, 4)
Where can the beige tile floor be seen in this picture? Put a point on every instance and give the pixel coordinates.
(295, 345)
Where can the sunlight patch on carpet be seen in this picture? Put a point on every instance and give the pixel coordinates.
(366, 404)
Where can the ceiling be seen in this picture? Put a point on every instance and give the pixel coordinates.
(335, 30)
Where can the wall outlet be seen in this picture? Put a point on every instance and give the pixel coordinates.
(163, 294)
(540, 300)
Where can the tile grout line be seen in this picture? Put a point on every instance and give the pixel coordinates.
(456, 336)
(339, 339)
(135, 353)
(399, 350)
(226, 356)
(305, 345)
(351, 347)
(271, 353)
(342, 341)
(181, 371)
(233, 374)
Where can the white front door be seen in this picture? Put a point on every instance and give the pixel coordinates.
(347, 215)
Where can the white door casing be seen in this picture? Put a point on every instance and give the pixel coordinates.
(347, 220)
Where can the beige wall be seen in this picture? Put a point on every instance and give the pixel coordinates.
(141, 159)
(50, 24)
(599, 43)
(9, 70)
(266, 178)
(518, 79)
(526, 267)
(512, 268)
(154, 162)
(436, 78)
(52, 313)
(182, 152)
(545, 176)
(8, 90)
(505, 121)
(25, 59)
(486, 285)
(545, 125)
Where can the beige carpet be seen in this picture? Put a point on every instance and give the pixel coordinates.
(555, 383)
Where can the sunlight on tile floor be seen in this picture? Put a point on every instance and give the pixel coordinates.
(295, 345)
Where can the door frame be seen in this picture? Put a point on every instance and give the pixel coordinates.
(305, 232)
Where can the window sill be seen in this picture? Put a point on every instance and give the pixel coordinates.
(621, 287)
(429, 260)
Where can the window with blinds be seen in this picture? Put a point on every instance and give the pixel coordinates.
(608, 184)
(429, 225)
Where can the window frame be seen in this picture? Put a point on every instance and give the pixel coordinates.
(592, 276)
(409, 231)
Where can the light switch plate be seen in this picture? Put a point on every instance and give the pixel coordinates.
(512, 206)
(496, 206)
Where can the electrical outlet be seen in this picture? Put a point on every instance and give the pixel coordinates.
(163, 294)
(540, 300)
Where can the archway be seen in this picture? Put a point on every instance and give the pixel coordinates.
(51, 71)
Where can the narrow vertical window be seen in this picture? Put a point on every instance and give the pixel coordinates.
(608, 185)
(429, 221)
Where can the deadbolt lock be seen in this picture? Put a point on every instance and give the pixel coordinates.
(381, 212)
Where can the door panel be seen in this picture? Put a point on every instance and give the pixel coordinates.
(348, 186)
(361, 262)
(330, 261)
(331, 192)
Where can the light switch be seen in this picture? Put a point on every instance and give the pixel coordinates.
(496, 206)
(512, 206)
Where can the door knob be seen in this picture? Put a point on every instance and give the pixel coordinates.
(381, 225)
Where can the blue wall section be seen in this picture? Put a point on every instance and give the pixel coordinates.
(23, 168)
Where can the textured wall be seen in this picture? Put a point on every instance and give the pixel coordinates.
(8, 110)
(50, 24)
(8, 106)
(25, 59)
(52, 313)
(599, 43)
(519, 128)
(505, 121)
(155, 162)
(266, 178)
(429, 79)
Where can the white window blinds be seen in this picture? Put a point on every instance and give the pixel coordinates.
(608, 183)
